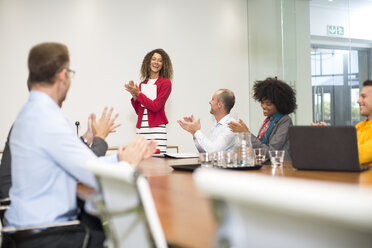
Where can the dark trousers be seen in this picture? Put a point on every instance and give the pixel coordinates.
(68, 236)
(71, 236)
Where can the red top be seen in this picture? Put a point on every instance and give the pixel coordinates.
(155, 108)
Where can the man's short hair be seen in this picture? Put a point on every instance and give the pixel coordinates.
(45, 60)
(227, 97)
(367, 83)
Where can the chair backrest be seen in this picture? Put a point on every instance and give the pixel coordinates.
(264, 211)
(126, 206)
(4, 205)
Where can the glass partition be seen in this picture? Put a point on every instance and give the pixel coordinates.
(341, 44)
(289, 40)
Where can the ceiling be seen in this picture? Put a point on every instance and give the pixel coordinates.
(352, 4)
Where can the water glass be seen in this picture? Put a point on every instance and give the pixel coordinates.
(276, 157)
(205, 160)
(221, 162)
(214, 156)
(230, 159)
(259, 155)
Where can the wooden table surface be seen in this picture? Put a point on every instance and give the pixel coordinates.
(186, 214)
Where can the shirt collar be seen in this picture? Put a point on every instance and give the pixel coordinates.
(36, 95)
(224, 120)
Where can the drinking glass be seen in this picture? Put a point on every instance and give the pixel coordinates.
(260, 155)
(276, 157)
(214, 156)
(205, 160)
(230, 159)
(221, 162)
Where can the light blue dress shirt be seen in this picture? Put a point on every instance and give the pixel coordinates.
(222, 138)
(47, 161)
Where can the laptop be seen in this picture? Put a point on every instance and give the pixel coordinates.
(325, 148)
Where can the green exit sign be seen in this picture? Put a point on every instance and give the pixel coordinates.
(336, 30)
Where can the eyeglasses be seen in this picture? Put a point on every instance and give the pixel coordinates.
(71, 72)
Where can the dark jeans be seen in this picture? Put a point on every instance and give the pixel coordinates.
(68, 236)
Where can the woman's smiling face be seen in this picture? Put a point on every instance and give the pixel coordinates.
(156, 63)
(269, 109)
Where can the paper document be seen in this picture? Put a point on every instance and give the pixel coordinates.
(149, 90)
(182, 155)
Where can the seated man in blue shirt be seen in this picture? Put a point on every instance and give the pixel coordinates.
(48, 158)
(92, 138)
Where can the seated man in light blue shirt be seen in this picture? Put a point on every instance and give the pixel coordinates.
(222, 139)
(48, 158)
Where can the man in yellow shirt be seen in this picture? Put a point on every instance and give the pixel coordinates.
(364, 128)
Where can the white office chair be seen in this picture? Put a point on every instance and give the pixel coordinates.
(126, 207)
(4, 205)
(264, 211)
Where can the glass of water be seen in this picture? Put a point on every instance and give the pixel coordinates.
(276, 157)
(259, 155)
(221, 159)
(214, 157)
(230, 159)
(206, 160)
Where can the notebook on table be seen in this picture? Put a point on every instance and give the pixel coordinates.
(177, 155)
(181, 155)
(325, 148)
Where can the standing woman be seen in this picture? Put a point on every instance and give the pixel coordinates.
(277, 100)
(156, 70)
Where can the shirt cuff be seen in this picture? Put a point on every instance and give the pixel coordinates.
(113, 159)
(110, 159)
(197, 134)
(126, 164)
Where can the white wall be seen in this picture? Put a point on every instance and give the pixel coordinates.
(206, 40)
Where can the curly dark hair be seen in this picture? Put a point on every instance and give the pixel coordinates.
(279, 93)
(166, 70)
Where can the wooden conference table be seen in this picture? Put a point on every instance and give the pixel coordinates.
(186, 214)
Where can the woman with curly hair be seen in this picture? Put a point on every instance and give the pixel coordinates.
(149, 105)
(277, 100)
